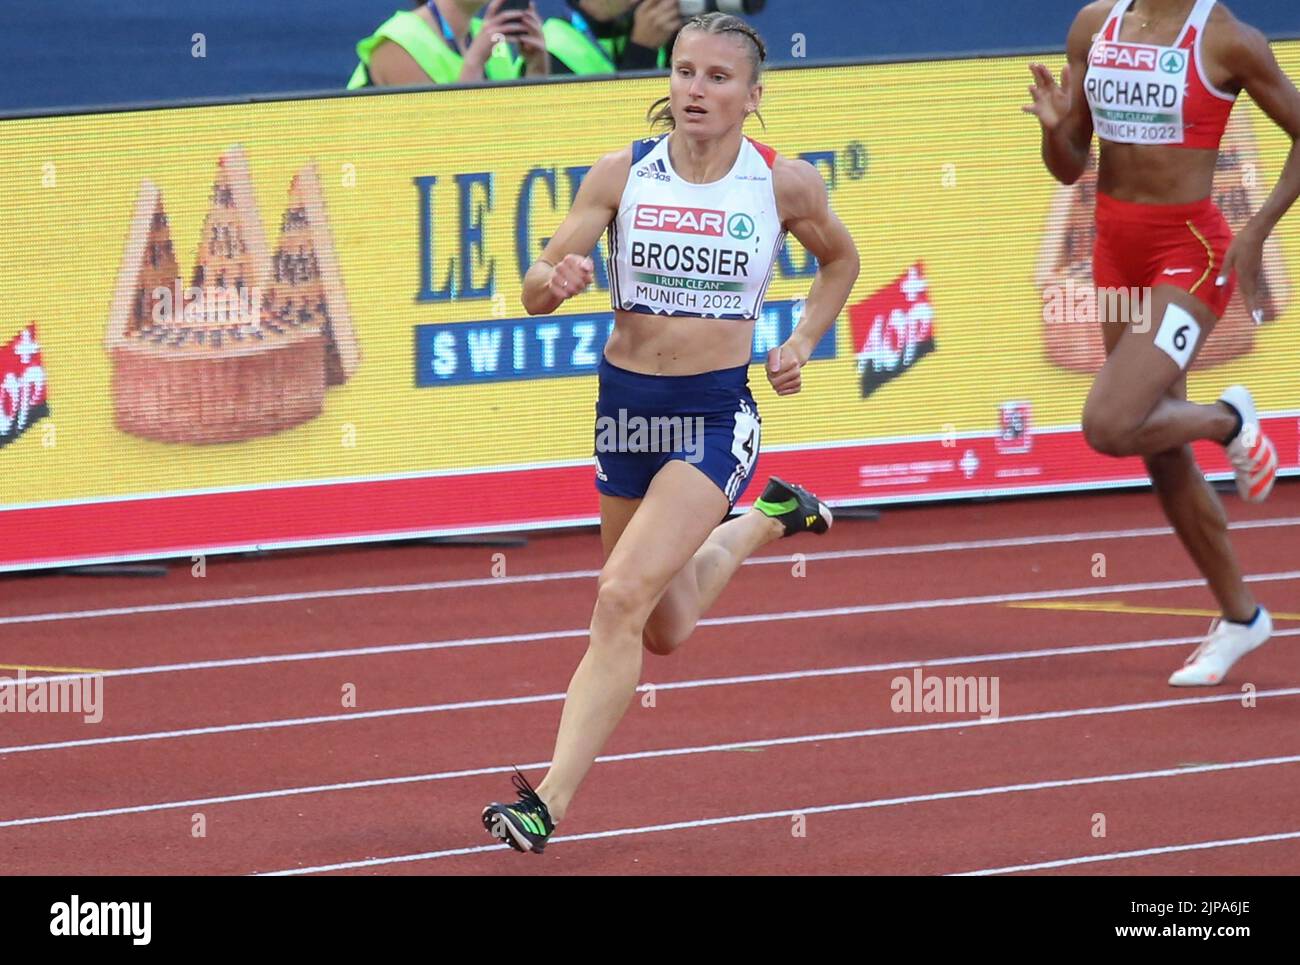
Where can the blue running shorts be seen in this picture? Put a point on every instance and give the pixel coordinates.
(643, 421)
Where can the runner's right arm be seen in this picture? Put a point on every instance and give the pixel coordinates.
(565, 268)
(1062, 109)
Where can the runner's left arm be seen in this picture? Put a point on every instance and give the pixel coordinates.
(806, 213)
(1246, 52)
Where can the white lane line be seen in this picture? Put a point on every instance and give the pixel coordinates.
(312, 655)
(512, 638)
(877, 551)
(559, 696)
(294, 597)
(822, 809)
(553, 697)
(1124, 855)
(649, 755)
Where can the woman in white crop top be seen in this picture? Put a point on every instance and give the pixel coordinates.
(696, 220)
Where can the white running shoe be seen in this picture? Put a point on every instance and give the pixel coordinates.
(1253, 455)
(1227, 643)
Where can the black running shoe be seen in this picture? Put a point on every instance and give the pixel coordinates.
(797, 509)
(524, 825)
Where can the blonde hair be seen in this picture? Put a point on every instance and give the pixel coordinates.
(661, 111)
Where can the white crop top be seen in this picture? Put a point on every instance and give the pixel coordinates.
(702, 250)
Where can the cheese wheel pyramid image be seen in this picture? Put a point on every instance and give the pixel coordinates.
(249, 347)
(1065, 260)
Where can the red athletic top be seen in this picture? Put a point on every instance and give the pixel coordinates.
(1151, 94)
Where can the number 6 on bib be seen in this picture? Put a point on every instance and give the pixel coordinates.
(1178, 335)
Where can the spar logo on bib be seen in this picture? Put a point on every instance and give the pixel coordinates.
(1124, 56)
(741, 227)
(24, 399)
(1173, 62)
(681, 221)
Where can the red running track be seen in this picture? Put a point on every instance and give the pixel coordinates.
(769, 744)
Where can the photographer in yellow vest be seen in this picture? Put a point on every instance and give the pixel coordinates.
(633, 34)
(444, 42)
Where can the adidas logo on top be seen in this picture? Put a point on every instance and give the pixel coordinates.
(656, 169)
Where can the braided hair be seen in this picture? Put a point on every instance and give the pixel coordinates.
(661, 111)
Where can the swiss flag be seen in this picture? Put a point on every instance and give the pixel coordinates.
(24, 397)
(893, 329)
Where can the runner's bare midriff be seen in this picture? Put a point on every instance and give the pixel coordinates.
(677, 345)
(1147, 174)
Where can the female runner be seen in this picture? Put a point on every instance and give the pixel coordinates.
(1157, 80)
(696, 220)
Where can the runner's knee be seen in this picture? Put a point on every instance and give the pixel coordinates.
(666, 629)
(1108, 432)
(622, 603)
(661, 641)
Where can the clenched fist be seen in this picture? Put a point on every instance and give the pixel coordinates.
(572, 276)
(783, 366)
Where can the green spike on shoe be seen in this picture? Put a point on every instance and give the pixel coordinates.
(798, 510)
(775, 509)
(525, 825)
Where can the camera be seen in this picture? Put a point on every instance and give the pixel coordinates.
(689, 8)
(693, 8)
(606, 24)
